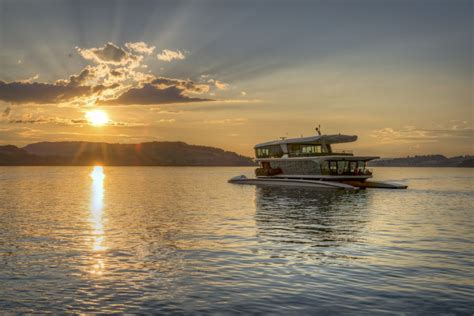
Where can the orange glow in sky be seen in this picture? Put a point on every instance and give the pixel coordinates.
(399, 76)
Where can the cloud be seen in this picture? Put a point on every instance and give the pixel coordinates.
(410, 134)
(221, 85)
(167, 121)
(88, 75)
(169, 55)
(230, 122)
(166, 111)
(31, 79)
(187, 85)
(141, 77)
(41, 93)
(140, 47)
(6, 112)
(156, 91)
(113, 79)
(90, 82)
(217, 83)
(117, 73)
(110, 54)
(29, 119)
(151, 94)
(49, 120)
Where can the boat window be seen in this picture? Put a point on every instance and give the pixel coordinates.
(361, 166)
(274, 151)
(352, 166)
(262, 152)
(324, 167)
(342, 167)
(333, 166)
(298, 150)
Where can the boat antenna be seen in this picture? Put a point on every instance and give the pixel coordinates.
(284, 137)
(318, 129)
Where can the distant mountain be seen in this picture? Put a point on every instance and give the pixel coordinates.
(425, 161)
(11, 155)
(143, 154)
(170, 154)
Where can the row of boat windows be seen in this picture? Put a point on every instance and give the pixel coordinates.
(269, 152)
(341, 167)
(294, 150)
(327, 167)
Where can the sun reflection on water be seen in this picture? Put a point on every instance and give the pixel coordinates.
(97, 207)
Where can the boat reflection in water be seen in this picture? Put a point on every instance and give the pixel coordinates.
(298, 224)
(97, 208)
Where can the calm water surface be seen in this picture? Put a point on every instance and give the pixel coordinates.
(126, 239)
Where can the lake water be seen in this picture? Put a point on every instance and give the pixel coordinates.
(162, 239)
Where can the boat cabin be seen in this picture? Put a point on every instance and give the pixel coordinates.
(319, 145)
(310, 156)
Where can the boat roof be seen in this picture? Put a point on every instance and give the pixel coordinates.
(317, 139)
(322, 157)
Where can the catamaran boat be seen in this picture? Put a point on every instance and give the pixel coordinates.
(312, 162)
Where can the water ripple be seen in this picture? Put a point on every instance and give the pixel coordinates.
(182, 240)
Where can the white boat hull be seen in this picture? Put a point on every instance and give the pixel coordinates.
(310, 183)
(271, 181)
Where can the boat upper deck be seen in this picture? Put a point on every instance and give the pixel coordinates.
(318, 145)
(323, 157)
(315, 140)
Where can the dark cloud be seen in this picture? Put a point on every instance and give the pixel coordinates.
(87, 75)
(151, 94)
(29, 119)
(117, 73)
(109, 54)
(167, 91)
(83, 84)
(54, 120)
(187, 85)
(79, 121)
(81, 78)
(101, 87)
(36, 92)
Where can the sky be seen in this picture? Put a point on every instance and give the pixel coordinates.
(230, 74)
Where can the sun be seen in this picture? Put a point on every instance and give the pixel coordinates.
(97, 117)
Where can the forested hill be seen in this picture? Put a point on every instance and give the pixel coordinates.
(425, 161)
(142, 154)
